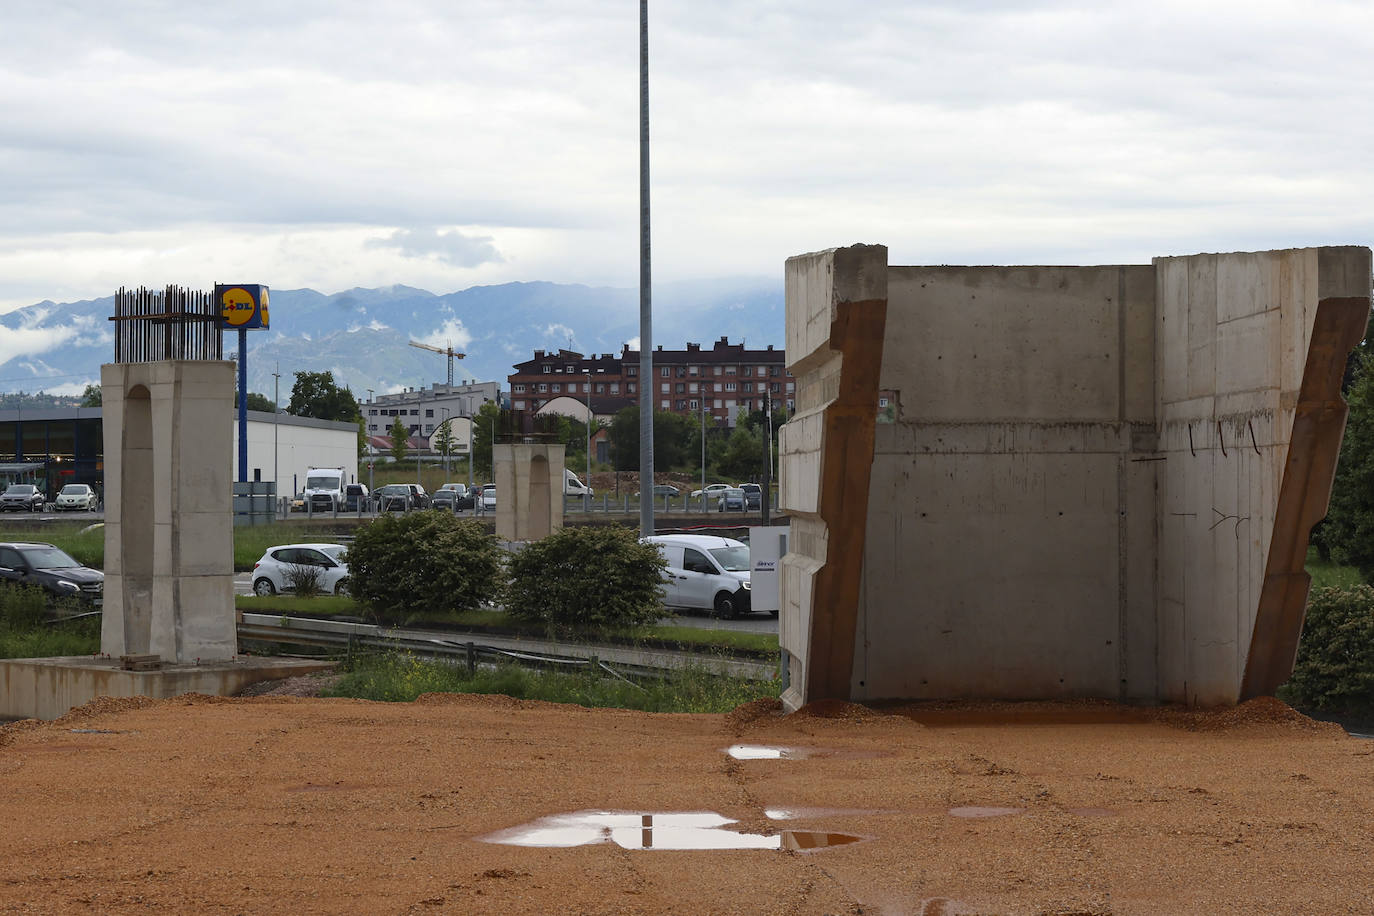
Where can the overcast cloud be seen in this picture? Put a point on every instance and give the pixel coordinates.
(444, 144)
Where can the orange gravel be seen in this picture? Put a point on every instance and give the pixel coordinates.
(294, 805)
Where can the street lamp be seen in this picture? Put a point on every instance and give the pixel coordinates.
(445, 440)
(586, 496)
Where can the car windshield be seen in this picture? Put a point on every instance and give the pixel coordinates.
(732, 493)
(48, 558)
(335, 551)
(321, 483)
(20, 489)
(732, 559)
(74, 489)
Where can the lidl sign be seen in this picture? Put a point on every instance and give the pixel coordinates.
(242, 306)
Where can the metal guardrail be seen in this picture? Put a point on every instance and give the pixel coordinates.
(631, 661)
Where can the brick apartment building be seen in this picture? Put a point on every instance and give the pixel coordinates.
(727, 377)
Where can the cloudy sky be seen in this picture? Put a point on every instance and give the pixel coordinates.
(450, 143)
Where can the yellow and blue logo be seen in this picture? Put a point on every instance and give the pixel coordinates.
(242, 305)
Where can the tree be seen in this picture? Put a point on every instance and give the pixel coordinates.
(489, 416)
(315, 394)
(675, 440)
(91, 396)
(742, 456)
(443, 438)
(260, 402)
(1348, 532)
(399, 439)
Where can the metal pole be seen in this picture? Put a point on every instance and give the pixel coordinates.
(586, 497)
(703, 439)
(276, 409)
(447, 432)
(243, 405)
(646, 334)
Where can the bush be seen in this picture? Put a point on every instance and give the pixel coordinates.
(401, 566)
(304, 581)
(587, 578)
(1334, 671)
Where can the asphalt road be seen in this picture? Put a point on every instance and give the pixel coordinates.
(753, 623)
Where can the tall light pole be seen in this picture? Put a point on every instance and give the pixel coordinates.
(646, 332)
(445, 440)
(370, 456)
(586, 497)
(703, 443)
(276, 409)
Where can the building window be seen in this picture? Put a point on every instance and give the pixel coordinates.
(790, 405)
(775, 387)
(518, 389)
(600, 388)
(694, 404)
(681, 388)
(557, 388)
(729, 370)
(546, 369)
(429, 428)
(719, 404)
(415, 412)
(631, 370)
(762, 371)
(745, 370)
(748, 386)
(663, 405)
(791, 387)
(429, 412)
(729, 386)
(663, 372)
(568, 368)
(691, 370)
(543, 387)
(692, 387)
(519, 405)
(665, 387)
(717, 370)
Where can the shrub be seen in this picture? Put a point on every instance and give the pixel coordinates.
(1334, 671)
(589, 578)
(303, 580)
(401, 566)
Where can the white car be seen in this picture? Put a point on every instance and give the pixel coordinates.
(706, 572)
(76, 497)
(489, 498)
(282, 567)
(712, 491)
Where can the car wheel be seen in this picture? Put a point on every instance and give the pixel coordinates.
(264, 588)
(725, 606)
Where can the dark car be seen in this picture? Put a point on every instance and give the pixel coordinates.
(355, 497)
(753, 495)
(394, 497)
(444, 500)
(22, 497)
(419, 499)
(665, 489)
(51, 569)
(731, 500)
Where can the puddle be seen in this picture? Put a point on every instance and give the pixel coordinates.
(664, 830)
(768, 752)
(796, 814)
(973, 811)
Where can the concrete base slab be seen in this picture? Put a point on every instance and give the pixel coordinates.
(47, 688)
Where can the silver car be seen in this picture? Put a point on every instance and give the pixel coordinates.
(75, 497)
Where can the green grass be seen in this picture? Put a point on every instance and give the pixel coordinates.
(401, 677)
(87, 547)
(1326, 574)
(79, 637)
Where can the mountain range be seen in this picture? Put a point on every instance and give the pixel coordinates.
(363, 335)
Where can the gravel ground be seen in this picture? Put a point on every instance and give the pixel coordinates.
(282, 804)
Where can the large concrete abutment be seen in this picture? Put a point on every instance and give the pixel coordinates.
(1084, 481)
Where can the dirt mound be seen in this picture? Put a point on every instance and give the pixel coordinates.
(837, 709)
(746, 714)
(102, 706)
(1261, 711)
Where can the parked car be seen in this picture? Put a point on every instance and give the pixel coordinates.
(21, 497)
(731, 499)
(462, 498)
(394, 497)
(489, 498)
(419, 499)
(706, 572)
(355, 497)
(664, 489)
(298, 503)
(711, 492)
(282, 567)
(76, 497)
(51, 569)
(753, 496)
(444, 500)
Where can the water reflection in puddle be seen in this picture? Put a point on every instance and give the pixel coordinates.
(976, 811)
(768, 752)
(664, 830)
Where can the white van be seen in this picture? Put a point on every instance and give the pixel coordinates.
(706, 572)
(574, 487)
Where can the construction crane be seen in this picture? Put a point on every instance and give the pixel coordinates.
(451, 353)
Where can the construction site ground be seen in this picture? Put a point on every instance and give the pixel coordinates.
(289, 804)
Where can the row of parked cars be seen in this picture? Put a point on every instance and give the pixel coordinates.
(26, 497)
(403, 497)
